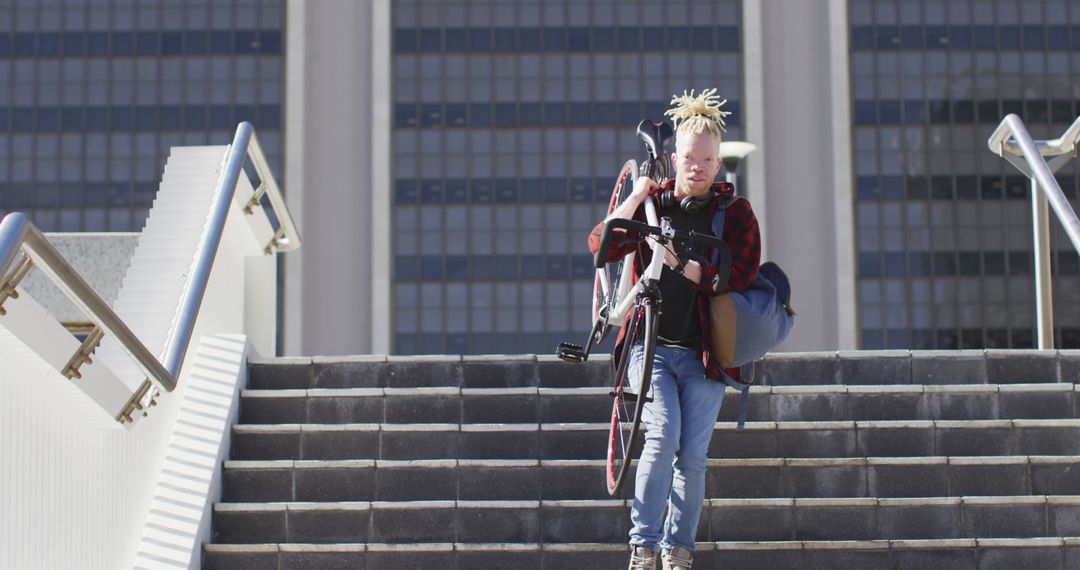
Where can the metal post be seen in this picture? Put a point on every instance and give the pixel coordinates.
(1044, 297)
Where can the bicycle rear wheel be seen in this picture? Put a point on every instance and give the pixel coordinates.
(618, 272)
(627, 405)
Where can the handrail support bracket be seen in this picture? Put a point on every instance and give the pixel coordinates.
(7, 289)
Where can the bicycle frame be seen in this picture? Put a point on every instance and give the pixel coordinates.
(649, 277)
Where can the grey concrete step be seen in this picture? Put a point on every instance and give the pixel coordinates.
(767, 403)
(464, 480)
(990, 366)
(607, 521)
(588, 441)
(1044, 553)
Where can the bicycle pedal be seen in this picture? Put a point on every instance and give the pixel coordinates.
(570, 352)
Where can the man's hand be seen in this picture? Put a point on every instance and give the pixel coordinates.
(643, 187)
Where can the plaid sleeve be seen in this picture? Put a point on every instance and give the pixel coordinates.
(744, 240)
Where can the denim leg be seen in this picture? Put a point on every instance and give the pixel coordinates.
(661, 424)
(700, 399)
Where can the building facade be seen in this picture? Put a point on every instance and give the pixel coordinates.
(444, 160)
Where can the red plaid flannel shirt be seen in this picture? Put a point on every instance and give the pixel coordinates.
(742, 237)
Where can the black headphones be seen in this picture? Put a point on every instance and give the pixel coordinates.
(689, 204)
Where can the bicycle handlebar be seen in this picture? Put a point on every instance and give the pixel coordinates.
(693, 238)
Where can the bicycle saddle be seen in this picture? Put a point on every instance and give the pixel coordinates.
(654, 135)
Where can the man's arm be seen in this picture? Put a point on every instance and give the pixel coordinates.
(622, 243)
(743, 239)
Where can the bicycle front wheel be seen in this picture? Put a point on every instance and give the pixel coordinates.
(619, 272)
(628, 402)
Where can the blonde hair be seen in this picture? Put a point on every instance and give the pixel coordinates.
(698, 114)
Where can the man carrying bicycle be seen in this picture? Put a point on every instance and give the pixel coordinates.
(686, 387)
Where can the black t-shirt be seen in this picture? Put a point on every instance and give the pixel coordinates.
(680, 323)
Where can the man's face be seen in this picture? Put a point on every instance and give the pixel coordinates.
(696, 163)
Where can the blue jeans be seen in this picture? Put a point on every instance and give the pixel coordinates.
(678, 424)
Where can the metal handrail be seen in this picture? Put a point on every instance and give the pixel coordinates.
(18, 233)
(1012, 141)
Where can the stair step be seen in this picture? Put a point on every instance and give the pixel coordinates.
(453, 404)
(406, 441)
(1049, 553)
(604, 521)
(450, 479)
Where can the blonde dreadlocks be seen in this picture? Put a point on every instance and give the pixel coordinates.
(698, 114)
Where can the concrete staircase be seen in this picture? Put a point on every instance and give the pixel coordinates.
(892, 459)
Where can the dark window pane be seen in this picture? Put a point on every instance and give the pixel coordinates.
(1020, 263)
(506, 267)
(431, 191)
(888, 37)
(74, 44)
(872, 339)
(603, 115)
(917, 188)
(554, 39)
(456, 114)
(220, 117)
(985, 37)
(1061, 111)
(194, 117)
(960, 37)
(941, 188)
(991, 188)
(993, 263)
(894, 264)
(967, 187)
(431, 115)
(405, 343)
(532, 191)
(582, 267)
(22, 119)
(1067, 263)
(922, 339)
(914, 111)
(971, 338)
(169, 118)
(506, 191)
(919, 264)
(654, 38)
(505, 115)
(532, 267)
(912, 37)
(948, 339)
(405, 268)
(404, 115)
(1014, 106)
(147, 43)
(628, 39)
(247, 41)
(603, 39)
(457, 343)
(195, 42)
(71, 118)
(431, 40)
(270, 41)
(122, 43)
(457, 191)
(579, 39)
(505, 40)
(892, 187)
(862, 37)
(939, 111)
(96, 118)
(580, 115)
(1022, 338)
(727, 38)
(172, 43)
(865, 112)
(890, 112)
(24, 45)
(556, 267)
(678, 38)
(1009, 37)
(528, 40)
(937, 37)
(145, 118)
(555, 190)
(48, 44)
(269, 117)
(867, 189)
(988, 112)
(997, 338)
(701, 38)
(97, 43)
(1033, 37)
(968, 262)
(431, 268)
(944, 264)
(1057, 37)
(220, 42)
(896, 339)
(581, 191)
(456, 39)
(869, 265)
(480, 40)
(5, 48)
(963, 112)
(405, 40)
(457, 268)
(405, 191)
(529, 115)
(120, 118)
(629, 113)
(480, 192)
(1017, 187)
(479, 115)
(554, 114)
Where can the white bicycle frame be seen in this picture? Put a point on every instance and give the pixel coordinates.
(651, 274)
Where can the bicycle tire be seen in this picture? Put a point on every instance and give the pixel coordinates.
(619, 272)
(626, 406)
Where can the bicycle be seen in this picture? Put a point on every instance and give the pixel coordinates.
(616, 301)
